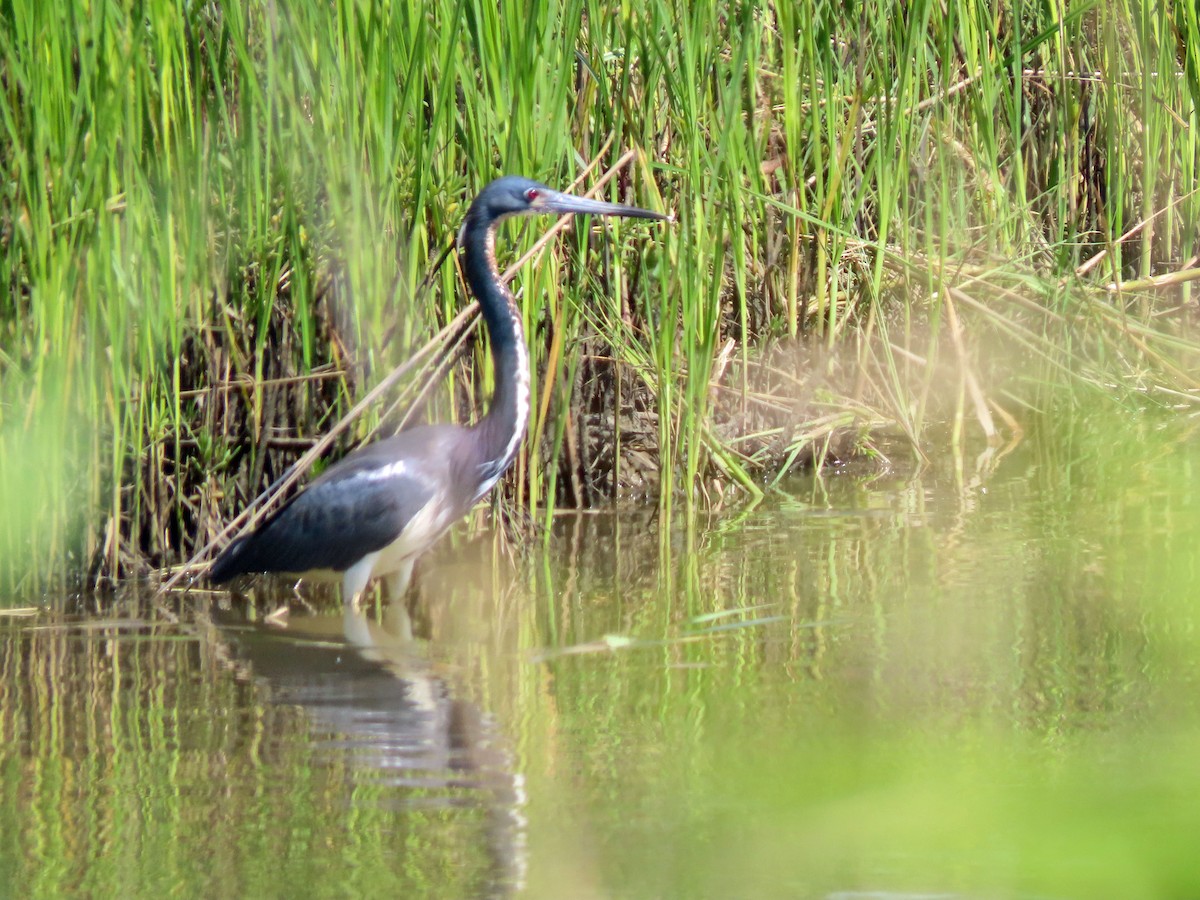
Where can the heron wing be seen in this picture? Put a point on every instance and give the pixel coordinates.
(361, 505)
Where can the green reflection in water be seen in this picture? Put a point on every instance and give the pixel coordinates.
(142, 760)
(977, 679)
(982, 685)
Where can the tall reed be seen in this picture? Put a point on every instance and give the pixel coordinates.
(220, 224)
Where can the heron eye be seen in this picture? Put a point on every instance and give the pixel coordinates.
(532, 194)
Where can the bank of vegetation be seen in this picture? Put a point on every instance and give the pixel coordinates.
(222, 224)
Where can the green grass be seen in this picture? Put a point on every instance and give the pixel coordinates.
(203, 205)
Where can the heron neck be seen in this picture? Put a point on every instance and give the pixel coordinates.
(503, 427)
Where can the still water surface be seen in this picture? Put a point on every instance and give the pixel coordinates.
(977, 679)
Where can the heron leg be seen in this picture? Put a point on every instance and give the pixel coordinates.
(396, 583)
(355, 578)
(355, 628)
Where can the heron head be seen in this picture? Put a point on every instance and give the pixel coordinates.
(513, 195)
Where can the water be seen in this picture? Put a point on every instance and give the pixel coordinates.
(978, 679)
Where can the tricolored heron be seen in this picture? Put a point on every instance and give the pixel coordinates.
(372, 514)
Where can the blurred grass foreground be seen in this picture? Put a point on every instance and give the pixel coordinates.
(221, 223)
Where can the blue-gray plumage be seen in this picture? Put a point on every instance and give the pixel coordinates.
(374, 512)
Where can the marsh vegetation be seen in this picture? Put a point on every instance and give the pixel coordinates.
(222, 224)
